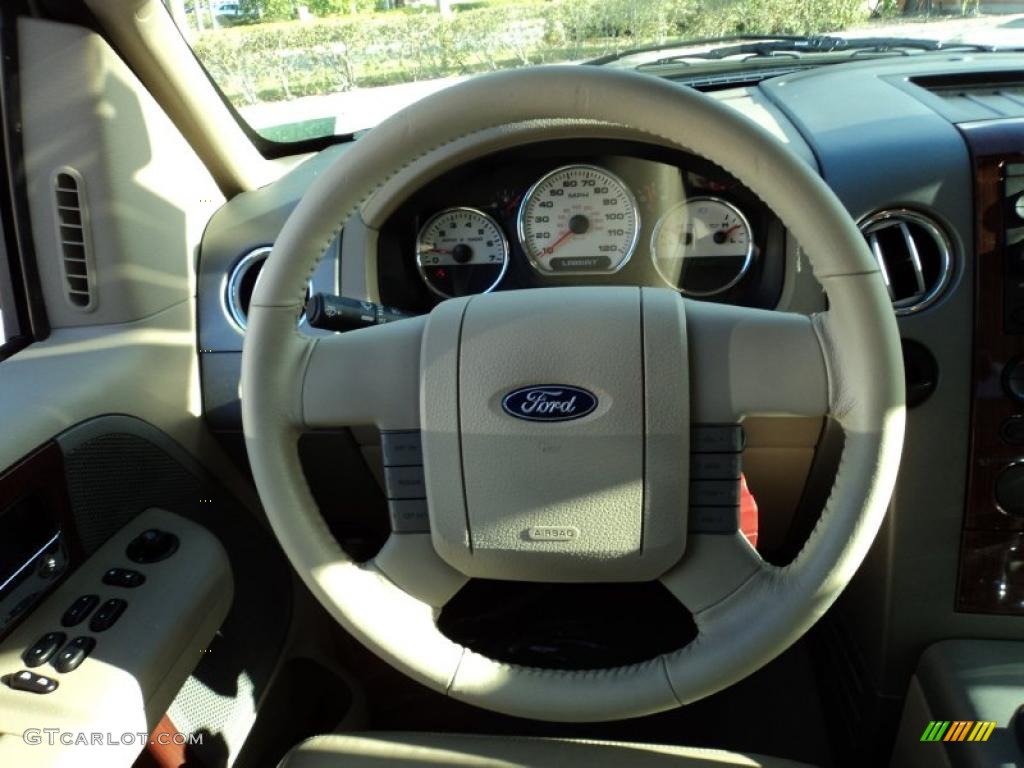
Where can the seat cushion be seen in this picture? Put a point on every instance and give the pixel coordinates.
(405, 750)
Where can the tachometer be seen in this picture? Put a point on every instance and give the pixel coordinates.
(460, 251)
(702, 246)
(578, 219)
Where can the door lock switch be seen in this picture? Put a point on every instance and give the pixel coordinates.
(31, 682)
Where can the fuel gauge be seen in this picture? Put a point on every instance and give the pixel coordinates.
(702, 246)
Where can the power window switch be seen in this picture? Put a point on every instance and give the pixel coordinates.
(43, 649)
(31, 682)
(79, 609)
(107, 614)
(74, 653)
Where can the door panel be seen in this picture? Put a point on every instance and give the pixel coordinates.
(109, 407)
(108, 480)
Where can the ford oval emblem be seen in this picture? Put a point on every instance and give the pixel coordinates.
(551, 402)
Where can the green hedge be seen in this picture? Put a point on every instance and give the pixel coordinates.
(275, 61)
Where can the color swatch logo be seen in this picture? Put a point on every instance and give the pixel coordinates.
(958, 730)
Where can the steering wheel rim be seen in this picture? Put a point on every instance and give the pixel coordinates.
(746, 611)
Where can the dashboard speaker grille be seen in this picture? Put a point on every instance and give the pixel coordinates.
(913, 254)
(73, 237)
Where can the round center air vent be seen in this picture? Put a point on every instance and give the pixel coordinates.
(913, 254)
(242, 282)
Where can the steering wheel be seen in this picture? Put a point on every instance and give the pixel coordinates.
(599, 498)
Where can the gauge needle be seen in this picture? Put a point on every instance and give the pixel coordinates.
(511, 205)
(435, 249)
(731, 229)
(551, 248)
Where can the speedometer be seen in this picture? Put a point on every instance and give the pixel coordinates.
(578, 219)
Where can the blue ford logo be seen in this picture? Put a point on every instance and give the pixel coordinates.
(552, 402)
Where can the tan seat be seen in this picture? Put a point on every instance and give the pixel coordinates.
(431, 750)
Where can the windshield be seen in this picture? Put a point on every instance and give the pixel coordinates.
(299, 71)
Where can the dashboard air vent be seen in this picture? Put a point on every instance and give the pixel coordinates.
(73, 237)
(913, 254)
(242, 282)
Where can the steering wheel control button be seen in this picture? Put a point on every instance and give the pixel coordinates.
(403, 478)
(401, 449)
(716, 438)
(715, 466)
(409, 516)
(108, 613)
(31, 682)
(152, 546)
(714, 519)
(123, 577)
(43, 649)
(405, 483)
(79, 609)
(1010, 490)
(714, 493)
(74, 653)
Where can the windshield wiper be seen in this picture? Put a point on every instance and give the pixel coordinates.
(785, 45)
(627, 52)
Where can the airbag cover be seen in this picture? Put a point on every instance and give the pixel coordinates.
(553, 438)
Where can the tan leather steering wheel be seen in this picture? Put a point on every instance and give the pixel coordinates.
(503, 491)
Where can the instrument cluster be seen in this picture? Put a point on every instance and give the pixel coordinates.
(556, 215)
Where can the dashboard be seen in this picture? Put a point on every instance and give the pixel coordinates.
(581, 213)
(922, 150)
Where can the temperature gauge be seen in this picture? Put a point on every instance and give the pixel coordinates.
(702, 246)
(461, 251)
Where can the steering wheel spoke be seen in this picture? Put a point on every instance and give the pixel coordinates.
(747, 362)
(364, 377)
(410, 561)
(714, 566)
